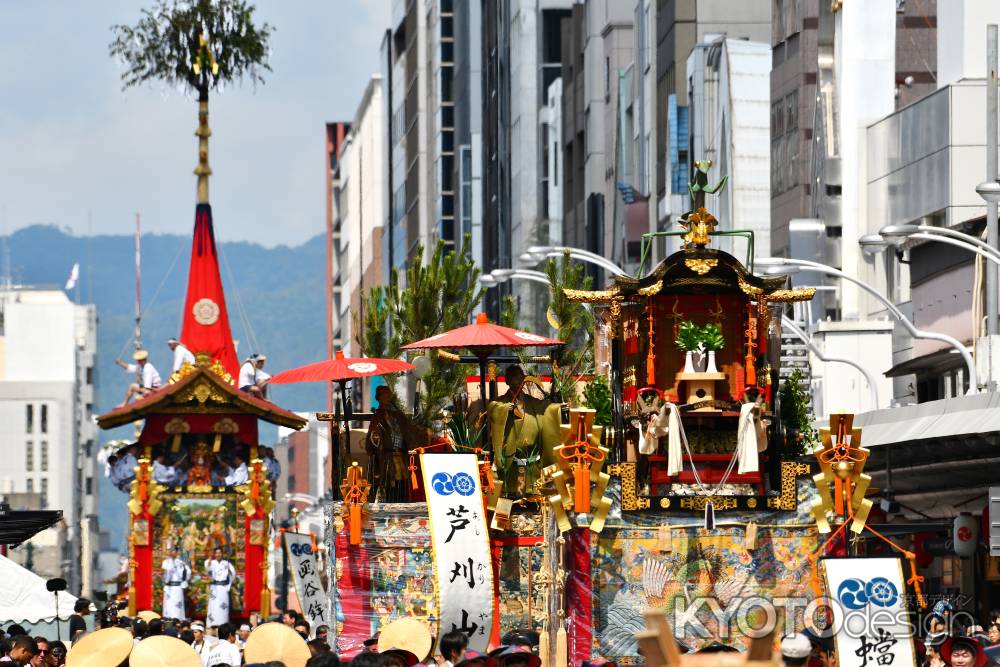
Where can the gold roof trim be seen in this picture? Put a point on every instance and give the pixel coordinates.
(788, 295)
(747, 288)
(591, 296)
(652, 290)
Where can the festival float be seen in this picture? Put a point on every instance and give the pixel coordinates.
(202, 430)
(695, 491)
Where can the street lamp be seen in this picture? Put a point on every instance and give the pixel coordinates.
(782, 265)
(536, 254)
(897, 234)
(497, 276)
(807, 339)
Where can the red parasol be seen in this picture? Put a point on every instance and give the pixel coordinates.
(482, 339)
(483, 334)
(341, 368)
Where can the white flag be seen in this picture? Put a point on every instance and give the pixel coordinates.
(74, 274)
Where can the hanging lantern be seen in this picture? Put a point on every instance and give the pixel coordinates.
(965, 535)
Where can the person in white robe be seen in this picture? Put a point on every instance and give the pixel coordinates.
(182, 355)
(175, 579)
(221, 573)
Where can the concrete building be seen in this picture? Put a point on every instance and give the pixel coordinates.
(338, 331)
(522, 57)
(467, 16)
(362, 181)
(679, 26)
(597, 50)
(728, 104)
(305, 469)
(406, 73)
(47, 349)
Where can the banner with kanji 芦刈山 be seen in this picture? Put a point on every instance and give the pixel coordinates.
(461, 546)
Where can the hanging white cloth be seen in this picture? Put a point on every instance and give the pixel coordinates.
(746, 440)
(676, 438)
(222, 574)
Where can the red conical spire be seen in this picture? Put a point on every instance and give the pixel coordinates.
(206, 320)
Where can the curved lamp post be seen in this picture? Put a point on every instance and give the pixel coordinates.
(536, 254)
(787, 266)
(807, 339)
(897, 234)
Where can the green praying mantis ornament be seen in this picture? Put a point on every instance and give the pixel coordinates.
(699, 186)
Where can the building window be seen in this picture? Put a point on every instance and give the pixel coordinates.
(291, 454)
(44, 455)
(45, 493)
(29, 456)
(31, 486)
(607, 78)
(89, 486)
(291, 482)
(29, 418)
(44, 418)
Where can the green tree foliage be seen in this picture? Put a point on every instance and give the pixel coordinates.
(438, 296)
(575, 326)
(166, 45)
(597, 396)
(796, 417)
(508, 312)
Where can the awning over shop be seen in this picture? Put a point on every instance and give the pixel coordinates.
(930, 364)
(17, 527)
(939, 457)
(934, 420)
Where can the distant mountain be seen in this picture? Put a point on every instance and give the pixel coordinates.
(274, 295)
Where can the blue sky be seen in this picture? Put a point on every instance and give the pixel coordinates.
(71, 141)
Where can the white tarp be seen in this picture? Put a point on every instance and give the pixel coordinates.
(23, 596)
(461, 546)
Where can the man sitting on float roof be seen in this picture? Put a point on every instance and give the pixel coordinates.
(253, 379)
(147, 378)
(181, 354)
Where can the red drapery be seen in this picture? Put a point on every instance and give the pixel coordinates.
(353, 592)
(578, 595)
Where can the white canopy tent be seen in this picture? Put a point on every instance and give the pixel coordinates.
(24, 598)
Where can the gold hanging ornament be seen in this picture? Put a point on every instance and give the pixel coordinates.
(579, 482)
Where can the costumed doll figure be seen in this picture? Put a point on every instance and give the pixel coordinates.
(200, 473)
(387, 448)
(222, 573)
(175, 579)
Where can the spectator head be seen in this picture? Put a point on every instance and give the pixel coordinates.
(217, 553)
(155, 627)
(140, 629)
(243, 632)
(317, 646)
(58, 652)
(453, 644)
(187, 636)
(302, 627)
(366, 659)
(199, 631)
(42, 655)
(327, 659)
(15, 630)
(289, 617)
(81, 606)
(993, 632)
(795, 649)
(23, 648)
(227, 632)
(322, 632)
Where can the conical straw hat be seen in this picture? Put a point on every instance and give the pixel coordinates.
(148, 615)
(164, 651)
(276, 641)
(408, 634)
(104, 648)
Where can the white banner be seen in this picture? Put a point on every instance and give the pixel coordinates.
(305, 573)
(461, 546)
(869, 612)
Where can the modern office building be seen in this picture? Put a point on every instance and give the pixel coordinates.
(47, 350)
(338, 330)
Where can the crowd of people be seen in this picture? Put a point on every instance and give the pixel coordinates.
(951, 641)
(227, 468)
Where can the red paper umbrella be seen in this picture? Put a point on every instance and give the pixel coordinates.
(483, 334)
(341, 368)
(482, 339)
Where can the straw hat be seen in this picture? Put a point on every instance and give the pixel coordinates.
(276, 641)
(148, 615)
(140, 355)
(100, 649)
(407, 634)
(164, 651)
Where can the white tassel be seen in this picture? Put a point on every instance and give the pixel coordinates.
(676, 441)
